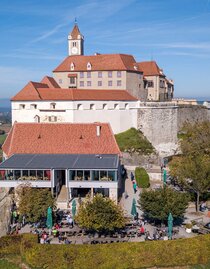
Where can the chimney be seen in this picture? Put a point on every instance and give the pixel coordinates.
(98, 130)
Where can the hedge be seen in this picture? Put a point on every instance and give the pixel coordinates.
(142, 178)
(116, 255)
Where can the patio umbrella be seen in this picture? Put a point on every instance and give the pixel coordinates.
(164, 176)
(170, 225)
(133, 209)
(49, 218)
(73, 208)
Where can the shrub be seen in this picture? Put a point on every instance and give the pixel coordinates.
(142, 178)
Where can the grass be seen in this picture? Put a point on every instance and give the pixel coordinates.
(133, 140)
(2, 138)
(5, 264)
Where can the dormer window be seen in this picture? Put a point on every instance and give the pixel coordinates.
(89, 66)
(52, 105)
(72, 66)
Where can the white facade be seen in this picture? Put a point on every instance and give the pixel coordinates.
(121, 115)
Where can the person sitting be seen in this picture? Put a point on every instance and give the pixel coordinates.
(142, 230)
(54, 232)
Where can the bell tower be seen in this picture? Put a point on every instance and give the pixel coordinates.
(75, 41)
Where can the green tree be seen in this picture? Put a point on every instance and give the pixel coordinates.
(33, 202)
(100, 214)
(192, 167)
(157, 204)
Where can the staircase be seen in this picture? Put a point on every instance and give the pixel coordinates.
(62, 200)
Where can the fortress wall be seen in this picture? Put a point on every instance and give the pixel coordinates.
(159, 125)
(161, 122)
(192, 114)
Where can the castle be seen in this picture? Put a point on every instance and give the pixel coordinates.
(63, 126)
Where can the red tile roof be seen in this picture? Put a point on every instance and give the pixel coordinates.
(60, 138)
(75, 32)
(37, 91)
(99, 62)
(50, 81)
(150, 68)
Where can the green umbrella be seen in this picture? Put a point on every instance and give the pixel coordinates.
(170, 225)
(164, 176)
(133, 209)
(73, 208)
(49, 218)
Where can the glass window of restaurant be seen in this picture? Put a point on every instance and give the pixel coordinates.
(111, 175)
(17, 174)
(39, 174)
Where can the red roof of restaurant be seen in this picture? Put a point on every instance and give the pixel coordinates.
(99, 62)
(150, 68)
(60, 138)
(34, 91)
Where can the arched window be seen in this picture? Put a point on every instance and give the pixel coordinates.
(126, 106)
(92, 107)
(104, 106)
(79, 107)
(116, 106)
(37, 118)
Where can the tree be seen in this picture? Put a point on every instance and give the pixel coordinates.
(157, 204)
(33, 202)
(192, 167)
(100, 214)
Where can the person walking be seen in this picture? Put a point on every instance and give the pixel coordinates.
(134, 187)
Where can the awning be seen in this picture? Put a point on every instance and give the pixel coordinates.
(61, 161)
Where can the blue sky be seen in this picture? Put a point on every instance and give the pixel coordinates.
(175, 33)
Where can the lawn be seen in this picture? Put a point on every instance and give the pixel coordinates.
(5, 264)
(133, 140)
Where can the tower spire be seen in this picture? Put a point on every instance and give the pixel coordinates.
(75, 41)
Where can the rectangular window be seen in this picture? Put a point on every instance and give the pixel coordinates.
(150, 84)
(52, 119)
(119, 83)
(119, 74)
(110, 83)
(60, 81)
(81, 84)
(72, 80)
(88, 83)
(88, 74)
(81, 74)
(109, 74)
(100, 83)
(99, 74)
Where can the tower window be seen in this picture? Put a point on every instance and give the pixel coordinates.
(74, 44)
